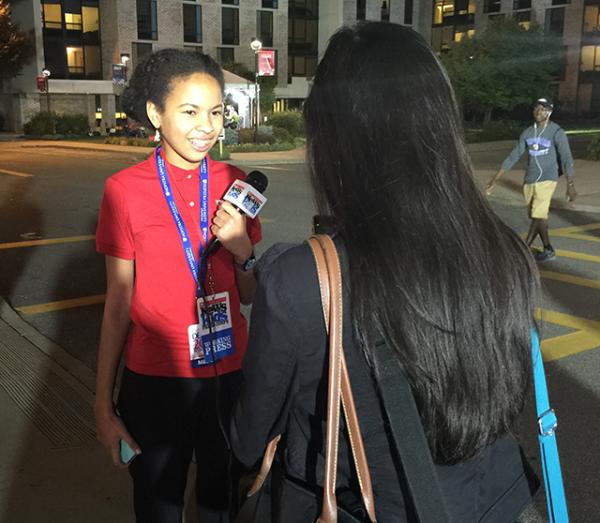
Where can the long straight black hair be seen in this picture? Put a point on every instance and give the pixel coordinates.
(432, 268)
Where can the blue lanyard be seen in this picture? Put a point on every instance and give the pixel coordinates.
(185, 238)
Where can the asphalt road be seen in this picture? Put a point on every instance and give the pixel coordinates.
(50, 272)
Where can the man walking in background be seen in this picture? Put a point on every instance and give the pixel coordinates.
(549, 156)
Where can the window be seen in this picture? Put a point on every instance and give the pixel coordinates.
(591, 19)
(225, 55)
(491, 6)
(75, 60)
(230, 26)
(264, 27)
(560, 2)
(52, 16)
(408, 12)
(73, 21)
(521, 4)
(146, 19)
(361, 9)
(385, 11)
(91, 23)
(524, 19)
(442, 9)
(192, 23)
(462, 32)
(590, 58)
(93, 62)
(139, 52)
(303, 66)
(555, 21)
(270, 4)
(231, 2)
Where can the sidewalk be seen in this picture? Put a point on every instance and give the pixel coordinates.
(51, 467)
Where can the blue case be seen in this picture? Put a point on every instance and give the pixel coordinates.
(127, 453)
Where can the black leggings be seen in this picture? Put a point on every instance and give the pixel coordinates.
(170, 418)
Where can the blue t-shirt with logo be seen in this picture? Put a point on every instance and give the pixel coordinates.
(542, 144)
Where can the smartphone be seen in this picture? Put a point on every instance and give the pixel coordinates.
(127, 453)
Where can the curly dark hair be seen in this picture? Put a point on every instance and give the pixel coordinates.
(152, 79)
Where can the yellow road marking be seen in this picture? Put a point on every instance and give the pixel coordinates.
(49, 241)
(568, 278)
(576, 228)
(62, 304)
(586, 337)
(578, 256)
(586, 237)
(15, 173)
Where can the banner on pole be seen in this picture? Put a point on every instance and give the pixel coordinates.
(42, 83)
(266, 62)
(119, 74)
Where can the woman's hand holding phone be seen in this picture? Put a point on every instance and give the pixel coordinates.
(115, 438)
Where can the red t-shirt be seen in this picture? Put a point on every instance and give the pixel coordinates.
(135, 223)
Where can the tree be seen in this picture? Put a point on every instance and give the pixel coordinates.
(16, 47)
(503, 67)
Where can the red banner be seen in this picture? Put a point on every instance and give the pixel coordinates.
(42, 83)
(266, 62)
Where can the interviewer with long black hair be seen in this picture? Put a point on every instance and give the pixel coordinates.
(428, 265)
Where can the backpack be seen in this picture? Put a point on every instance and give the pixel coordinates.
(558, 158)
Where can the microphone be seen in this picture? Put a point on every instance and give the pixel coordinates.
(246, 196)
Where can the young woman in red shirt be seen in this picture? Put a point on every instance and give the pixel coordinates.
(181, 370)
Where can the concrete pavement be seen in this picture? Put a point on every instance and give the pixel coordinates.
(51, 467)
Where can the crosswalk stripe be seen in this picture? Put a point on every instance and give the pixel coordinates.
(49, 241)
(54, 306)
(586, 337)
(15, 173)
(569, 278)
(578, 256)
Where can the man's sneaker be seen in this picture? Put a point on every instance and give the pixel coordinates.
(546, 255)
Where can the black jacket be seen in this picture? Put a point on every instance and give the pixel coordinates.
(285, 389)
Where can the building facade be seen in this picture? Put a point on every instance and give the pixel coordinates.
(444, 22)
(89, 47)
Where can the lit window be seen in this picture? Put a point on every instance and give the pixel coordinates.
(75, 60)
(442, 9)
(73, 21)
(524, 19)
(52, 16)
(90, 19)
(590, 58)
(591, 19)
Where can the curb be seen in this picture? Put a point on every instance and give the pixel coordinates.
(71, 369)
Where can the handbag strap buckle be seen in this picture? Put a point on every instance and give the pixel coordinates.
(547, 423)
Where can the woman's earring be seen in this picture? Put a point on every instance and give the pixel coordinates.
(157, 136)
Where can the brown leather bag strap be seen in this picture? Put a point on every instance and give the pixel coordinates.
(330, 284)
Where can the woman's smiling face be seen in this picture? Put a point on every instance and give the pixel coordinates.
(191, 120)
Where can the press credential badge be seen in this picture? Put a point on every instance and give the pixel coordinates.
(214, 313)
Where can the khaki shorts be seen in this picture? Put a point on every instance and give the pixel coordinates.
(538, 196)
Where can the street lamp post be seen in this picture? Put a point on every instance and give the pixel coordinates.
(256, 46)
(46, 74)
